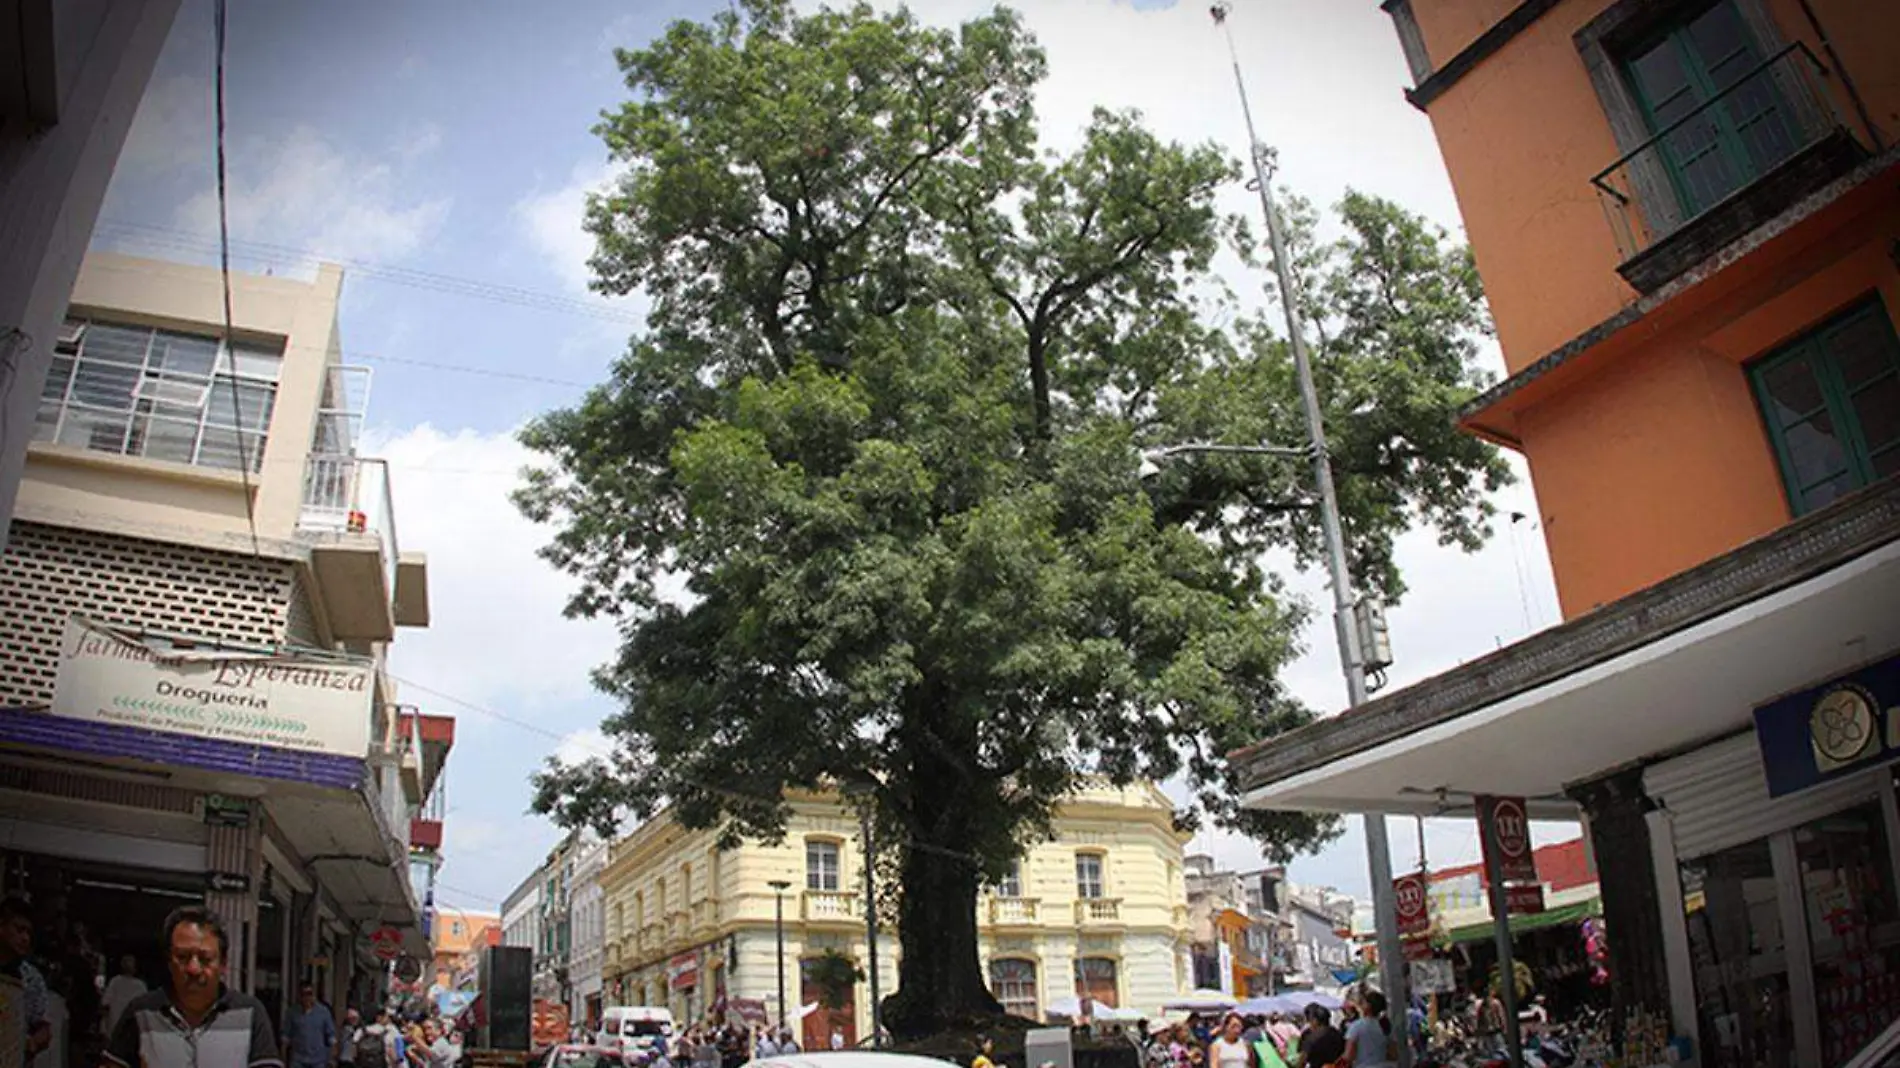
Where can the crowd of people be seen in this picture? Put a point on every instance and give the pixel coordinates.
(1363, 1036)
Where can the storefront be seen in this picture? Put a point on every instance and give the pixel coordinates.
(1726, 740)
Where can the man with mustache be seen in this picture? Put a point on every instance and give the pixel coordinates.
(193, 1021)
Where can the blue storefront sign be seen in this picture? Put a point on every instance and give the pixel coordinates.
(1840, 727)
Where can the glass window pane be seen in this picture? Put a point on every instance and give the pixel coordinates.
(1721, 41)
(253, 402)
(115, 344)
(1664, 83)
(1877, 408)
(1887, 461)
(220, 448)
(183, 353)
(1826, 493)
(105, 385)
(1814, 450)
(159, 437)
(1853, 926)
(1095, 979)
(256, 361)
(1791, 390)
(1739, 956)
(89, 429)
(1863, 348)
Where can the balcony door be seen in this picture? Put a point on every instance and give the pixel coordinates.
(1720, 115)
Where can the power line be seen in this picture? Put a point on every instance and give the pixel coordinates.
(224, 273)
(265, 251)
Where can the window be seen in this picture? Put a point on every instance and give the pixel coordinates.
(1088, 875)
(1831, 400)
(1013, 982)
(1011, 884)
(1722, 121)
(821, 865)
(1095, 980)
(136, 391)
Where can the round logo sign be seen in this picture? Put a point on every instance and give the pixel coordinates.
(1513, 829)
(1411, 897)
(1842, 724)
(408, 969)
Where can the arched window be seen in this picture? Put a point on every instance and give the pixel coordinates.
(1013, 982)
(1095, 978)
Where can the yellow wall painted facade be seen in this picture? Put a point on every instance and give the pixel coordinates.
(672, 898)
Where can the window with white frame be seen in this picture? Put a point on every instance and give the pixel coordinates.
(821, 865)
(1088, 875)
(160, 394)
(1011, 884)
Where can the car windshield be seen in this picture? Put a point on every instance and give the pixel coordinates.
(645, 1027)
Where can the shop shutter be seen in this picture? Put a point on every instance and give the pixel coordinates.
(1717, 796)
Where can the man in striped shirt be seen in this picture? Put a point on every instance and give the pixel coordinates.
(194, 1021)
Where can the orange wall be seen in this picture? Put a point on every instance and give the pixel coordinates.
(1659, 461)
(1543, 244)
(1656, 460)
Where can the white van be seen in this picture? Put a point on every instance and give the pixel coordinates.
(631, 1027)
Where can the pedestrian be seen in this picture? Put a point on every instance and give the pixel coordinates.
(378, 1045)
(1321, 1043)
(767, 1045)
(443, 1053)
(1229, 1048)
(194, 1021)
(786, 1043)
(837, 1038)
(985, 1050)
(347, 1037)
(1368, 1041)
(310, 1032)
(16, 945)
(121, 990)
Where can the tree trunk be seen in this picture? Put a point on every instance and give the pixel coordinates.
(940, 981)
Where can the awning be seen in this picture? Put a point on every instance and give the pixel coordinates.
(1664, 670)
(1536, 921)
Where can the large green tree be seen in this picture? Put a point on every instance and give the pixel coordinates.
(886, 422)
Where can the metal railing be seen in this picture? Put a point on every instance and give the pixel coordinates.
(350, 495)
(1769, 115)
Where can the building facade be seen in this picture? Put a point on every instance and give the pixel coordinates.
(458, 935)
(588, 937)
(1100, 910)
(1685, 214)
(197, 595)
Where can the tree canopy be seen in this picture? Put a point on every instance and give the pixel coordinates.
(886, 422)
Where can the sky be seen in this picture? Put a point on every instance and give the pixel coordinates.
(441, 152)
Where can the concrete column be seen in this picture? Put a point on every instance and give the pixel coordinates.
(83, 68)
(1617, 811)
(236, 850)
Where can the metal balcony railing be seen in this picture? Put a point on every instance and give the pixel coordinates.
(350, 495)
(1768, 116)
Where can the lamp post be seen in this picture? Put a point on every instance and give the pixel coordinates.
(1345, 631)
(779, 886)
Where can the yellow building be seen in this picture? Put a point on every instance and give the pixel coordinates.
(1101, 907)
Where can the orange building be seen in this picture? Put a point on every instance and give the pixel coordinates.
(1686, 214)
(458, 935)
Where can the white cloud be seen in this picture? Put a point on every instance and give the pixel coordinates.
(496, 634)
(551, 220)
(299, 189)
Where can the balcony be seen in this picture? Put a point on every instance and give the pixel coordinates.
(831, 906)
(679, 927)
(1015, 911)
(705, 917)
(1098, 912)
(349, 518)
(1738, 160)
(652, 937)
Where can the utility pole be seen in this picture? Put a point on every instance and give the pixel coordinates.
(1378, 844)
(1501, 922)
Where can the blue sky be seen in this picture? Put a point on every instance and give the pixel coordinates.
(454, 139)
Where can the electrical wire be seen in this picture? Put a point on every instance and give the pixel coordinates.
(224, 269)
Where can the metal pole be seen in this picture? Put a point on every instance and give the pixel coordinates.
(1378, 844)
(1501, 922)
(779, 886)
(870, 927)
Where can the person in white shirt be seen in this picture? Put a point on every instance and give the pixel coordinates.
(121, 990)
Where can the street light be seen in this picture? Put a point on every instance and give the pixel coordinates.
(779, 886)
(1345, 628)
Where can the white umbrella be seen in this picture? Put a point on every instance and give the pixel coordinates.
(1072, 1009)
(1200, 1001)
